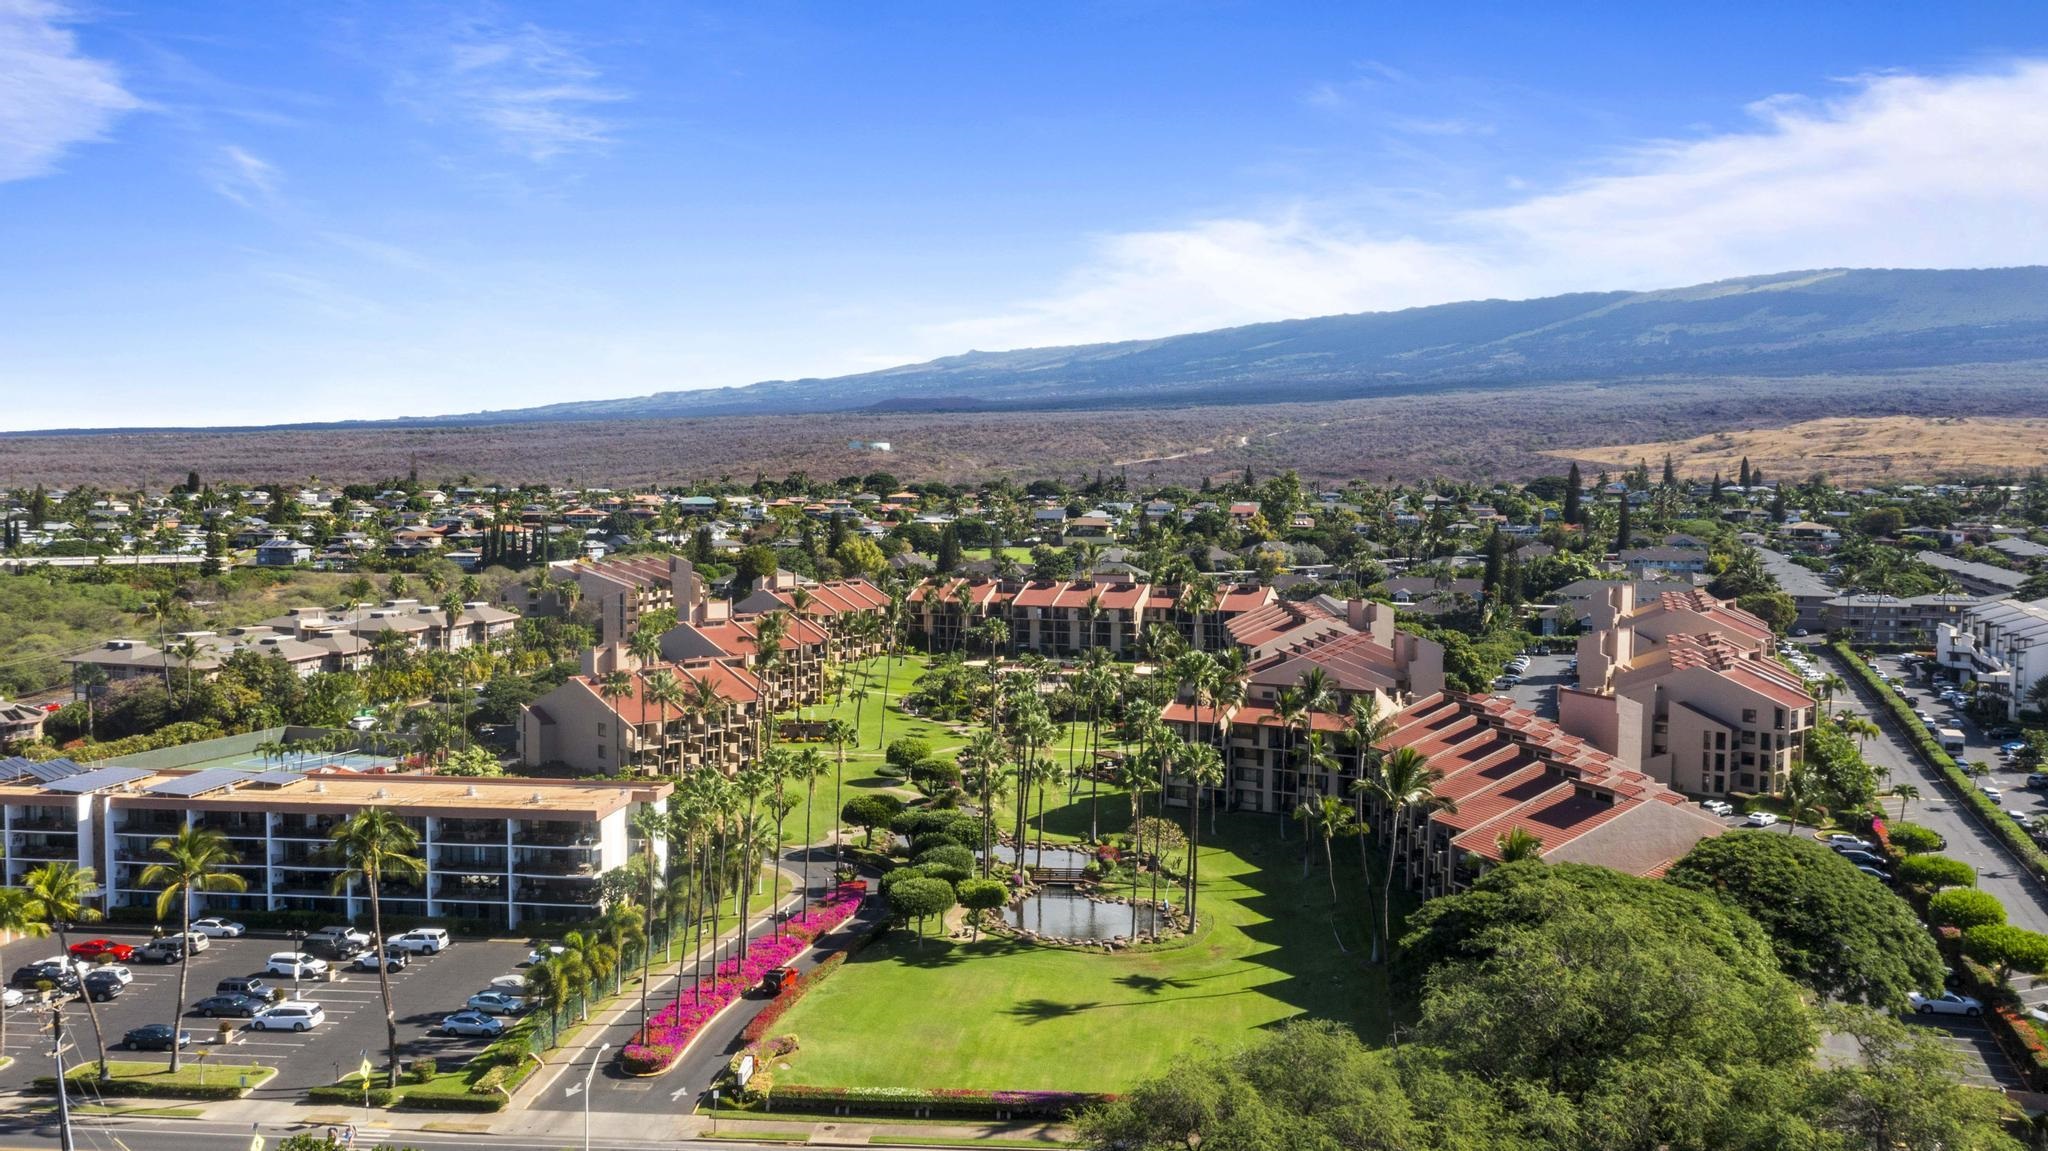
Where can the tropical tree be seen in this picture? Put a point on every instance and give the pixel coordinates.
(838, 733)
(371, 846)
(808, 765)
(1518, 844)
(599, 960)
(20, 916)
(614, 687)
(1403, 786)
(195, 861)
(1905, 793)
(62, 894)
(652, 826)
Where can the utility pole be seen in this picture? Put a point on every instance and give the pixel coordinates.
(63, 1088)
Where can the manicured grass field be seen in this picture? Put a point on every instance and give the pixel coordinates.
(1000, 1015)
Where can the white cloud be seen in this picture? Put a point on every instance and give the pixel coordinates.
(51, 97)
(1896, 171)
(534, 93)
(244, 177)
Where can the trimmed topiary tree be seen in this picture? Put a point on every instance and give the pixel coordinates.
(2006, 948)
(979, 895)
(1965, 908)
(869, 812)
(920, 898)
(906, 753)
(1936, 871)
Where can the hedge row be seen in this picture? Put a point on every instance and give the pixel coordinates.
(1987, 812)
(923, 1101)
(86, 1079)
(353, 1096)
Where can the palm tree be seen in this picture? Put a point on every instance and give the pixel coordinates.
(598, 959)
(614, 687)
(1906, 793)
(1197, 599)
(1202, 766)
(1404, 785)
(838, 733)
(554, 981)
(1517, 844)
(194, 861)
(373, 845)
(652, 826)
(1327, 819)
(22, 917)
(1830, 683)
(984, 754)
(664, 691)
(808, 765)
(62, 895)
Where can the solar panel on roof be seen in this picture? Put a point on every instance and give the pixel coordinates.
(276, 778)
(199, 782)
(20, 767)
(97, 779)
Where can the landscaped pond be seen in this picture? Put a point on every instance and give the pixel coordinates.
(1064, 913)
(1058, 858)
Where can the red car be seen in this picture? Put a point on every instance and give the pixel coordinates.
(103, 948)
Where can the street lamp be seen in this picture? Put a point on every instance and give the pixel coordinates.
(585, 1089)
(298, 937)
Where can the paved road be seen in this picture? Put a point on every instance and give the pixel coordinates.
(2026, 901)
(615, 1091)
(1538, 689)
(40, 1134)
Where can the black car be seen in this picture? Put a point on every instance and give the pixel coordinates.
(236, 1006)
(1863, 858)
(37, 974)
(155, 1037)
(104, 985)
(243, 985)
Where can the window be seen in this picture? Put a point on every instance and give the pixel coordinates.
(1749, 715)
(1707, 739)
(1778, 719)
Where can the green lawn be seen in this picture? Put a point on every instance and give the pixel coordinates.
(864, 761)
(1000, 1015)
(195, 1073)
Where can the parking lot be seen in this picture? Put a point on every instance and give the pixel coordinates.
(430, 988)
(1538, 689)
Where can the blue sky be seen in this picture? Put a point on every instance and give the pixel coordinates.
(227, 213)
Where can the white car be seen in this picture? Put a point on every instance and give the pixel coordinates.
(423, 940)
(13, 997)
(1762, 819)
(1992, 792)
(295, 964)
(117, 971)
(1946, 1003)
(291, 1015)
(214, 927)
(1718, 806)
(540, 953)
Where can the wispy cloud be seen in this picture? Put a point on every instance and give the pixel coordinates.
(244, 177)
(531, 90)
(1896, 170)
(51, 96)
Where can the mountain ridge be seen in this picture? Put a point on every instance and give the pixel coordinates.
(1815, 322)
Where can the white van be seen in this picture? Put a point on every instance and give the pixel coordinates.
(422, 940)
(291, 1015)
(1950, 739)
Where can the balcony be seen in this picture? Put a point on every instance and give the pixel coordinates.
(566, 894)
(553, 863)
(469, 858)
(304, 827)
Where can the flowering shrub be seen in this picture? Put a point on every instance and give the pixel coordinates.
(758, 1026)
(672, 1028)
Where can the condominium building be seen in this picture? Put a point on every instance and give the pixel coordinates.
(1508, 770)
(1893, 621)
(2002, 646)
(600, 725)
(1687, 690)
(1069, 617)
(498, 851)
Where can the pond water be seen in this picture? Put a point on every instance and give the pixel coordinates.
(1063, 858)
(1067, 914)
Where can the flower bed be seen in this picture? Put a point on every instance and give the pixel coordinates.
(656, 1047)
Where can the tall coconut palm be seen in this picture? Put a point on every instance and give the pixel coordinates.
(838, 733)
(599, 959)
(651, 824)
(194, 861)
(1404, 785)
(666, 693)
(984, 755)
(614, 687)
(1197, 599)
(809, 764)
(371, 846)
(62, 895)
(20, 916)
(1202, 766)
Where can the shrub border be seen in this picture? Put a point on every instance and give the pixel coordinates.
(923, 1101)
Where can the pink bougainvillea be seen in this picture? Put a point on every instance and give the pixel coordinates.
(671, 1029)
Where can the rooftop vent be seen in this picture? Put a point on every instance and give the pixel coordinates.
(472, 791)
(383, 793)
